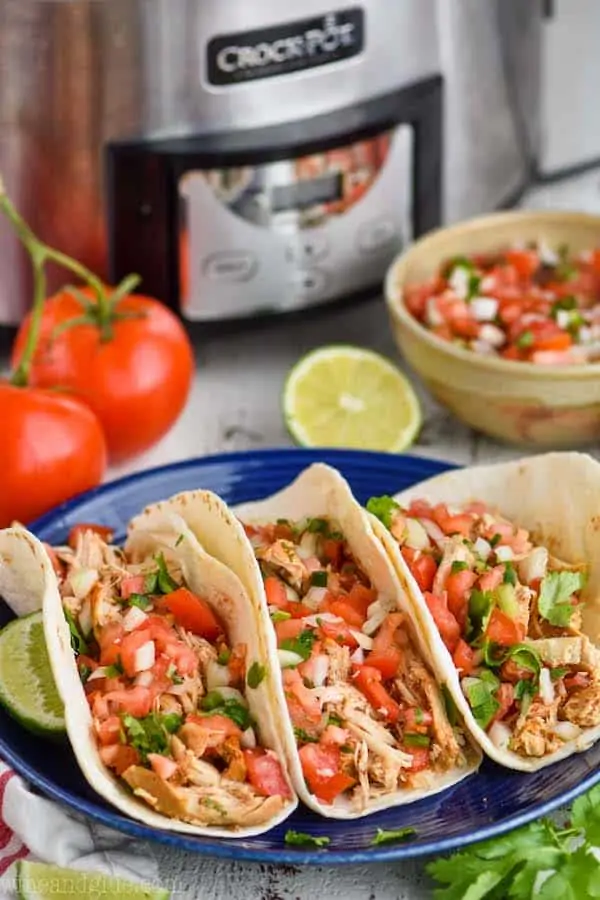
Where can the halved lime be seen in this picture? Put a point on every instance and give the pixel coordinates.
(344, 396)
(38, 881)
(27, 689)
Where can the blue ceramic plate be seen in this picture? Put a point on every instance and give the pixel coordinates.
(486, 804)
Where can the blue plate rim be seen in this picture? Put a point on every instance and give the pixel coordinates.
(234, 850)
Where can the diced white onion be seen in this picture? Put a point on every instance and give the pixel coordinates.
(133, 617)
(85, 617)
(291, 594)
(482, 548)
(358, 657)
(434, 531)
(288, 659)
(491, 334)
(534, 565)
(567, 731)
(547, 254)
(585, 335)
(373, 608)
(229, 693)
(100, 672)
(459, 281)
(563, 318)
(216, 676)
(314, 597)
(363, 640)
(374, 621)
(417, 538)
(145, 657)
(315, 620)
(488, 283)
(144, 679)
(500, 735)
(504, 554)
(320, 668)
(546, 687)
(307, 546)
(484, 309)
(433, 316)
(248, 739)
(82, 581)
(482, 348)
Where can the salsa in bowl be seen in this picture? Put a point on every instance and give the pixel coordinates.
(500, 317)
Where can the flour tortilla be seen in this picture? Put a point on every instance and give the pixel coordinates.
(319, 491)
(556, 496)
(28, 581)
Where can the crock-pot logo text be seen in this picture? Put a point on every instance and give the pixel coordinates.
(283, 49)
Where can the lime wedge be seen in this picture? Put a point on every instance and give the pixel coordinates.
(37, 881)
(343, 396)
(27, 689)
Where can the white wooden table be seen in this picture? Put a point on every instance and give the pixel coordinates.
(235, 404)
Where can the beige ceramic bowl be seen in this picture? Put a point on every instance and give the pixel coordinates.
(517, 402)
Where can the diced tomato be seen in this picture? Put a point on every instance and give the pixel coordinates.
(422, 566)
(221, 724)
(458, 587)
(415, 297)
(132, 584)
(505, 695)
(316, 663)
(360, 598)
(320, 766)
(333, 734)
(514, 353)
(462, 523)
(368, 681)
(86, 662)
(110, 643)
(421, 509)
(56, 563)
(526, 262)
(463, 658)
(466, 328)
(129, 646)
(289, 630)
(193, 613)
(503, 630)
(103, 531)
(302, 702)
(492, 579)
(420, 758)
(386, 652)
(444, 332)
(596, 261)
(447, 625)
(276, 592)
(164, 767)
(510, 671)
(417, 720)
(137, 701)
(119, 757)
(339, 632)
(265, 773)
(283, 532)
(109, 731)
(333, 551)
(183, 657)
(347, 613)
(298, 610)
(98, 704)
(577, 680)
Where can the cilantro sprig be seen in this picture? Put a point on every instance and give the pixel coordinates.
(150, 734)
(554, 602)
(300, 839)
(302, 645)
(390, 836)
(541, 860)
(383, 508)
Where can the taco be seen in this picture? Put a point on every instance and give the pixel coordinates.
(364, 719)
(505, 566)
(163, 674)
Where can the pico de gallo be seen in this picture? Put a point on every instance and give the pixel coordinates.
(527, 304)
(167, 691)
(510, 616)
(368, 717)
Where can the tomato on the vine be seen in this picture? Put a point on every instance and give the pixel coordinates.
(132, 363)
(52, 448)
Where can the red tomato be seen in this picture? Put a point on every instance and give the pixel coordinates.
(510, 671)
(109, 731)
(103, 531)
(505, 695)
(465, 328)
(422, 566)
(133, 584)
(417, 722)
(56, 563)
(300, 699)
(447, 625)
(503, 630)
(276, 592)
(265, 773)
(339, 632)
(578, 680)
(333, 551)
(463, 658)
(137, 701)
(53, 448)
(458, 586)
(368, 681)
(345, 611)
(289, 629)
(183, 657)
(192, 613)
(420, 758)
(360, 598)
(119, 757)
(526, 262)
(87, 662)
(164, 767)
(237, 663)
(386, 653)
(110, 643)
(298, 610)
(222, 724)
(135, 374)
(458, 524)
(128, 648)
(489, 581)
(320, 766)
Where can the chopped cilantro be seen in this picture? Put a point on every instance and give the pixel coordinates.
(84, 673)
(279, 615)
(164, 582)
(223, 657)
(179, 540)
(481, 604)
(558, 672)
(300, 839)
(114, 670)
(554, 602)
(458, 566)
(151, 733)
(411, 739)
(214, 702)
(566, 271)
(151, 583)
(524, 688)
(483, 703)
(303, 738)
(176, 679)
(566, 303)
(383, 508)
(213, 804)
(317, 526)
(140, 600)
(256, 674)
(495, 540)
(319, 578)
(302, 645)
(385, 836)
(510, 576)
(334, 719)
(78, 642)
(525, 340)
(419, 717)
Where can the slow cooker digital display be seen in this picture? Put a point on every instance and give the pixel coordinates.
(306, 193)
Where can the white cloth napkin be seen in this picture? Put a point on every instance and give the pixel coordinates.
(38, 829)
